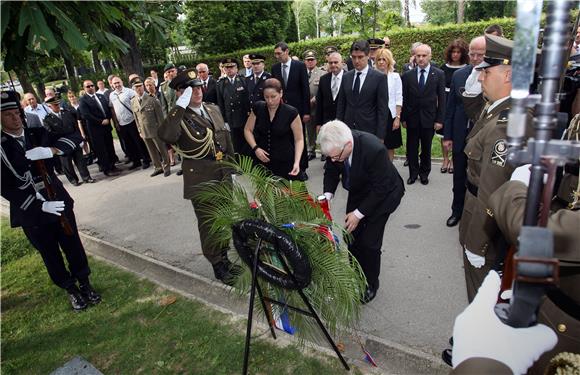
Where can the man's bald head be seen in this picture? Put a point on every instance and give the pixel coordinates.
(476, 50)
(423, 55)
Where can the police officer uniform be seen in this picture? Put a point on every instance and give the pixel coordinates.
(256, 82)
(313, 82)
(233, 101)
(203, 141)
(24, 186)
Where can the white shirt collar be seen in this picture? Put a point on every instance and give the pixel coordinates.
(16, 136)
(364, 71)
(496, 103)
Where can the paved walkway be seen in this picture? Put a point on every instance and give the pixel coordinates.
(422, 285)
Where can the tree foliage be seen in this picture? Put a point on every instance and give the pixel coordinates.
(218, 27)
(440, 12)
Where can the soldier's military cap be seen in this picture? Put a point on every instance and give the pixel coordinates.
(168, 67)
(181, 68)
(330, 49)
(229, 62)
(375, 43)
(53, 100)
(309, 55)
(498, 51)
(184, 79)
(9, 100)
(257, 58)
(136, 81)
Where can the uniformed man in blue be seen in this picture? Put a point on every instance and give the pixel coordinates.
(256, 81)
(39, 203)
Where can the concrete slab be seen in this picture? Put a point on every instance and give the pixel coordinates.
(77, 366)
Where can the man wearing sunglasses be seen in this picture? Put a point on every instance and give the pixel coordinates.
(359, 160)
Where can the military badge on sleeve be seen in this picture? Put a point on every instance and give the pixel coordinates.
(499, 153)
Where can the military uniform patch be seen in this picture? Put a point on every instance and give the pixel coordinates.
(499, 153)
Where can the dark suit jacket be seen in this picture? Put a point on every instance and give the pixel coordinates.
(422, 108)
(325, 104)
(297, 91)
(376, 188)
(210, 94)
(91, 112)
(256, 89)
(455, 118)
(233, 101)
(369, 112)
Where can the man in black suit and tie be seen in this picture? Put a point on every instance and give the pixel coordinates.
(328, 91)
(458, 125)
(423, 111)
(256, 81)
(95, 110)
(375, 190)
(209, 87)
(296, 90)
(364, 100)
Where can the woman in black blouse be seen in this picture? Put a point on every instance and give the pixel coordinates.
(274, 133)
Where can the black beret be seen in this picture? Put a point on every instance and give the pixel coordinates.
(168, 67)
(184, 79)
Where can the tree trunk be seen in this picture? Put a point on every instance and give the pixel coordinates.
(460, 10)
(73, 81)
(406, 12)
(24, 79)
(375, 11)
(36, 78)
(96, 62)
(316, 12)
(131, 62)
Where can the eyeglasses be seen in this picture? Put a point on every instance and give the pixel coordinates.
(387, 45)
(337, 157)
(87, 86)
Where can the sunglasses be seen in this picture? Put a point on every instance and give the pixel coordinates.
(87, 86)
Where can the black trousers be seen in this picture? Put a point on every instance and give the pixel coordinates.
(136, 149)
(49, 239)
(459, 178)
(81, 163)
(239, 141)
(103, 147)
(424, 136)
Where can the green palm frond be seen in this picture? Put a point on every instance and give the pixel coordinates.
(337, 279)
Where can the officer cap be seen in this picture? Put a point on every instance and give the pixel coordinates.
(257, 58)
(9, 100)
(330, 49)
(498, 51)
(136, 81)
(181, 68)
(309, 55)
(168, 67)
(53, 100)
(229, 62)
(375, 43)
(186, 78)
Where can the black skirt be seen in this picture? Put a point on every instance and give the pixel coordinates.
(393, 138)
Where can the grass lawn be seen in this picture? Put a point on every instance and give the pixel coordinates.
(435, 146)
(136, 329)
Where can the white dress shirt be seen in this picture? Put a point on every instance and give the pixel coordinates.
(427, 69)
(362, 77)
(395, 87)
(338, 78)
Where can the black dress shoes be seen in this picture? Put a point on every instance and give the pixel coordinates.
(424, 180)
(76, 299)
(224, 272)
(411, 180)
(406, 163)
(369, 295)
(146, 165)
(156, 172)
(135, 166)
(453, 220)
(447, 357)
(179, 172)
(89, 294)
(112, 173)
(323, 158)
(167, 173)
(311, 156)
(76, 183)
(90, 180)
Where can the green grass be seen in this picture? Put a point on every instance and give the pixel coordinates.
(435, 146)
(130, 332)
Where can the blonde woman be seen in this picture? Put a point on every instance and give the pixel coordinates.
(386, 64)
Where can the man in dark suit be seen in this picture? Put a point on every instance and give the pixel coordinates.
(375, 190)
(256, 81)
(458, 125)
(328, 91)
(364, 100)
(95, 110)
(233, 101)
(294, 78)
(423, 111)
(209, 87)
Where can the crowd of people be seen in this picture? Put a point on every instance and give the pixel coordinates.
(353, 108)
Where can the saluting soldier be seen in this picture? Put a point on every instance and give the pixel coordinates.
(487, 168)
(45, 213)
(314, 74)
(256, 81)
(197, 132)
(233, 101)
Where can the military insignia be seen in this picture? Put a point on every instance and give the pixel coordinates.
(4, 95)
(219, 155)
(499, 153)
(192, 74)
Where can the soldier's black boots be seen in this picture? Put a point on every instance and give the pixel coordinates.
(76, 299)
(226, 272)
(89, 294)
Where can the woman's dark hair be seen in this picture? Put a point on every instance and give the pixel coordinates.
(273, 83)
(463, 48)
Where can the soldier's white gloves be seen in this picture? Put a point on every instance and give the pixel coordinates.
(183, 100)
(478, 332)
(475, 260)
(472, 85)
(40, 197)
(523, 174)
(39, 153)
(53, 207)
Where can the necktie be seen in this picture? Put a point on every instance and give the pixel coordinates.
(204, 86)
(309, 74)
(356, 87)
(334, 87)
(285, 74)
(21, 141)
(346, 175)
(422, 79)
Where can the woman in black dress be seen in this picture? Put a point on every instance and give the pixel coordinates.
(274, 133)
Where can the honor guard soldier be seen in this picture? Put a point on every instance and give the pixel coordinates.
(38, 201)
(256, 81)
(487, 168)
(197, 132)
(375, 44)
(233, 101)
(314, 74)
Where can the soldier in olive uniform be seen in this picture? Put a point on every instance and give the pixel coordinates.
(256, 81)
(166, 92)
(314, 74)
(233, 101)
(197, 132)
(487, 168)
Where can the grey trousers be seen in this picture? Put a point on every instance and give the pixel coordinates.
(158, 153)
